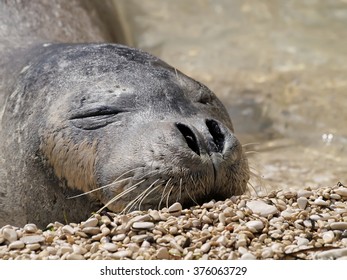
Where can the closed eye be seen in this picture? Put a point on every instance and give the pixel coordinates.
(97, 112)
(96, 117)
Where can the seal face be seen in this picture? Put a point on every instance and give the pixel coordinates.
(121, 125)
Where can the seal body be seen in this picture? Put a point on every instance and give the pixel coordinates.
(115, 125)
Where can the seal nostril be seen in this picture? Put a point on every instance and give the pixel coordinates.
(190, 137)
(217, 134)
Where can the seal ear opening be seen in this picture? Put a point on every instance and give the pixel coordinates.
(190, 137)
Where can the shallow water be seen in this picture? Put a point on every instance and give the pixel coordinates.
(278, 66)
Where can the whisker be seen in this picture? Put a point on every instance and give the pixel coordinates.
(163, 193)
(147, 174)
(168, 195)
(253, 188)
(148, 193)
(100, 188)
(186, 189)
(106, 186)
(195, 188)
(250, 144)
(252, 152)
(202, 183)
(120, 195)
(132, 203)
(179, 194)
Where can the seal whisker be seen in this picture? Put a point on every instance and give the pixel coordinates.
(250, 144)
(133, 202)
(253, 188)
(251, 152)
(168, 196)
(202, 183)
(163, 193)
(148, 193)
(120, 195)
(100, 188)
(115, 181)
(179, 193)
(146, 175)
(186, 189)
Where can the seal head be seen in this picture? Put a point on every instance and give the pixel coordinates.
(124, 127)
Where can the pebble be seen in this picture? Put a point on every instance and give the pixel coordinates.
(205, 247)
(248, 256)
(328, 237)
(68, 229)
(267, 253)
(261, 208)
(30, 239)
(321, 202)
(162, 254)
(175, 208)
(91, 230)
(143, 225)
(222, 240)
(92, 222)
(302, 241)
(155, 215)
(16, 245)
(208, 205)
(304, 193)
(122, 254)
(74, 256)
(338, 225)
(341, 191)
(109, 247)
(30, 228)
(139, 238)
(119, 237)
(10, 234)
(239, 228)
(33, 247)
(255, 226)
(302, 202)
(66, 249)
(331, 254)
(78, 249)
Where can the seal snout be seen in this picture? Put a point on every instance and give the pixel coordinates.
(212, 139)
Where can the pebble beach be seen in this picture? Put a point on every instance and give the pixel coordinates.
(305, 224)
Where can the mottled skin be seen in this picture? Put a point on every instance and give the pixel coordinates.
(78, 117)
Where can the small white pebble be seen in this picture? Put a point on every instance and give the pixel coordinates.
(10, 234)
(248, 256)
(92, 222)
(328, 237)
(321, 202)
(255, 226)
(30, 228)
(109, 247)
(16, 245)
(302, 202)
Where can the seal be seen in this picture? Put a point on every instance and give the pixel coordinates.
(97, 125)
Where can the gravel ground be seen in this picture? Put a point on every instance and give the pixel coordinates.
(305, 224)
